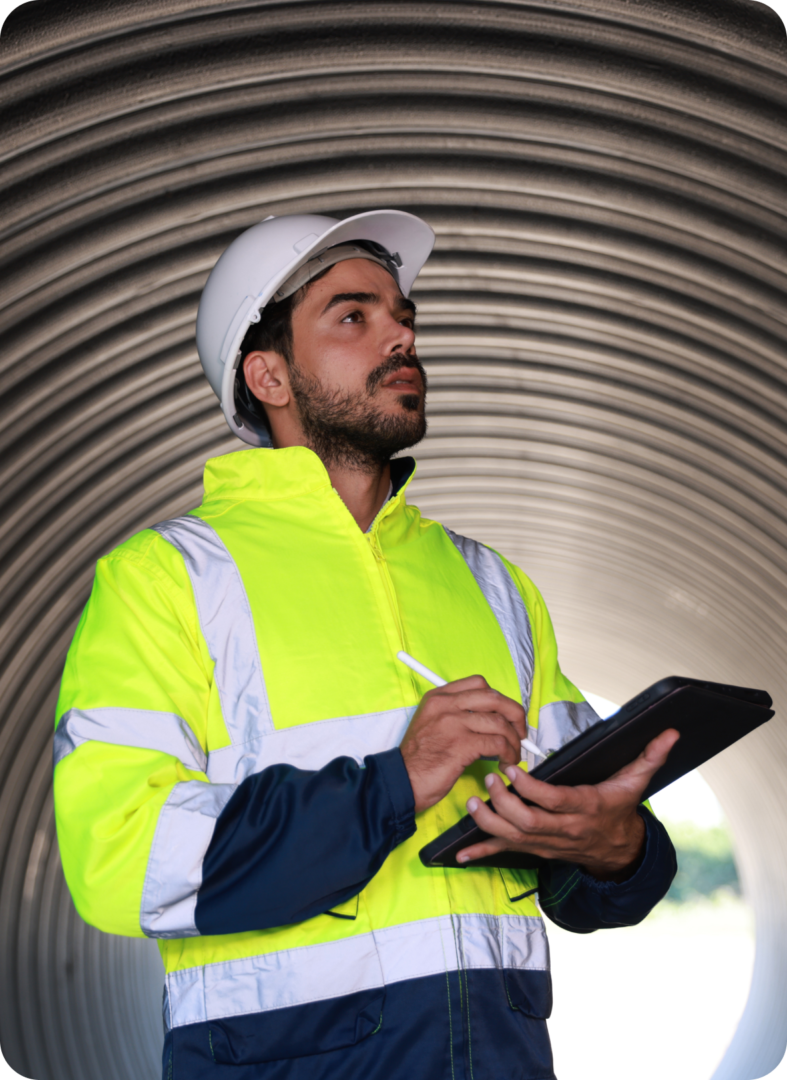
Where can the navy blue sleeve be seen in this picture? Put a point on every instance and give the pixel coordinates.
(291, 844)
(578, 902)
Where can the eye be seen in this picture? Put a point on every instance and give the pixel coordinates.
(408, 321)
(352, 316)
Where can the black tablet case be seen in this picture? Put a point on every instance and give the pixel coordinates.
(709, 716)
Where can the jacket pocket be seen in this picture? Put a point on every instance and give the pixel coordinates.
(525, 955)
(305, 1001)
(518, 884)
(298, 1031)
(530, 992)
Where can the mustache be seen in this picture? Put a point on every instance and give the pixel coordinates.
(395, 362)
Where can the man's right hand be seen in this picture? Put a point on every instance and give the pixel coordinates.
(454, 726)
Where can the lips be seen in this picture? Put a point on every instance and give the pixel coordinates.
(404, 378)
(403, 373)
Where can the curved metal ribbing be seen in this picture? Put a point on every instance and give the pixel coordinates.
(603, 324)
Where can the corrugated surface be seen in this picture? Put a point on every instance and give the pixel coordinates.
(603, 323)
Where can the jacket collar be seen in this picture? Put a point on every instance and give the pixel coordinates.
(266, 475)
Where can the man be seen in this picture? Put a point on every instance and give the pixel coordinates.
(245, 770)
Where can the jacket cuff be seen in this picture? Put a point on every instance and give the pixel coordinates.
(396, 781)
(656, 861)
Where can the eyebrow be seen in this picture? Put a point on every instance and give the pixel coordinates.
(364, 298)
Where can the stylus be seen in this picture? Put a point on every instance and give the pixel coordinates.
(420, 669)
(435, 680)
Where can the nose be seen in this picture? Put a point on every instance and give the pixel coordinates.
(398, 338)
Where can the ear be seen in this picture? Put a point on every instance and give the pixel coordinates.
(267, 378)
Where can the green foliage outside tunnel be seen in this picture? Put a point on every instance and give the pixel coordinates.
(706, 864)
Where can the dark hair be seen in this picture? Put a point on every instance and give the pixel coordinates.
(273, 333)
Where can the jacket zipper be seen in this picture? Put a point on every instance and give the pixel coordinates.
(461, 972)
(390, 592)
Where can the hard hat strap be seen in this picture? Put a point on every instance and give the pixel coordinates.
(329, 257)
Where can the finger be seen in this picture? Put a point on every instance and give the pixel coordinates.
(491, 725)
(480, 851)
(636, 776)
(511, 710)
(532, 829)
(507, 803)
(632, 778)
(557, 798)
(495, 747)
(531, 846)
(485, 699)
(535, 831)
(658, 749)
(461, 686)
(492, 823)
(528, 819)
(514, 820)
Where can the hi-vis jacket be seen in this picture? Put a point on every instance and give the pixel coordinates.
(228, 781)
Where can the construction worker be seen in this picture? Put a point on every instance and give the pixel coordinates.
(246, 772)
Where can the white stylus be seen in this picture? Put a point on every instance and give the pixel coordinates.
(420, 669)
(435, 680)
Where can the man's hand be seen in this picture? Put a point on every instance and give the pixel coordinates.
(596, 826)
(453, 727)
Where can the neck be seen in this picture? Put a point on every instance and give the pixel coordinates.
(361, 483)
(361, 487)
(362, 492)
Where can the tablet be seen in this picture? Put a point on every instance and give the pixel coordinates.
(709, 716)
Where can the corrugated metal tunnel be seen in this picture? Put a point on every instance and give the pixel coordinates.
(603, 323)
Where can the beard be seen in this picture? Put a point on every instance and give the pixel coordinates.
(348, 429)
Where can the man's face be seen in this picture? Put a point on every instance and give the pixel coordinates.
(356, 379)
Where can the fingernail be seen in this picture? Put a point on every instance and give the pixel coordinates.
(472, 805)
(511, 772)
(489, 779)
(461, 857)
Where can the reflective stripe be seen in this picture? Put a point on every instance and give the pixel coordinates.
(560, 722)
(459, 942)
(174, 872)
(505, 600)
(318, 972)
(311, 746)
(160, 731)
(227, 625)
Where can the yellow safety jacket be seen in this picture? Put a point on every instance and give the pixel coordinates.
(259, 631)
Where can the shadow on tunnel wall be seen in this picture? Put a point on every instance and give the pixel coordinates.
(603, 322)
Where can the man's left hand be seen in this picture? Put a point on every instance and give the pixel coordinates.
(596, 826)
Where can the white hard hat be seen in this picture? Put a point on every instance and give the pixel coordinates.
(254, 266)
